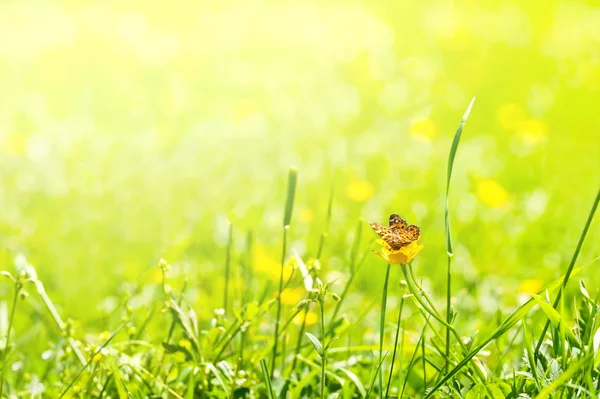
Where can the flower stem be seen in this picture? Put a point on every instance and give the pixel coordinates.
(427, 304)
(382, 324)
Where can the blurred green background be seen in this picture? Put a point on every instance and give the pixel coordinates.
(131, 131)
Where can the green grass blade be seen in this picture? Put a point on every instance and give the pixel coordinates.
(400, 308)
(382, 322)
(564, 377)
(266, 376)
(571, 266)
(449, 248)
(110, 338)
(530, 357)
(556, 320)
(316, 343)
(354, 378)
(291, 193)
(412, 360)
(451, 157)
(191, 386)
(377, 371)
(228, 267)
(504, 327)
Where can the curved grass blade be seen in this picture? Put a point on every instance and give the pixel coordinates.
(266, 376)
(504, 327)
(449, 249)
(571, 266)
(92, 358)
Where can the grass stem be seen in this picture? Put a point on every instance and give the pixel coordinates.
(324, 358)
(569, 270)
(382, 323)
(400, 307)
(7, 344)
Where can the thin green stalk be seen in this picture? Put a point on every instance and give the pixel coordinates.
(7, 345)
(448, 306)
(505, 326)
(277, 320)
(429, 307)
(227, 267)
(324, 358)
(424, 362)
(412, 362)
(401, 371)
(569, 269)
(287, 218)
(387, 390)
(353, 270)
(299, 341)
(449, 249)
(265, 372)
(92, 358)
(318, 257)
(61, 325)
(382, 324)
(247, 265)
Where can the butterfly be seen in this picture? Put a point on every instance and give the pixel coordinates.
(399, 233)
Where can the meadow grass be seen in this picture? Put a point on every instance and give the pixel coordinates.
(258, 345)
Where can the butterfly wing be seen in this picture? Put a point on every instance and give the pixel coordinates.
(384, 232)
(397, 223)
(388, 235)
(398, 234)
(413, 232)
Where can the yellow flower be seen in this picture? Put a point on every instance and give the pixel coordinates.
(531, 286)
(491, 193)
(400, 256)
(532, 131)
(424, 129)
(360, 191)
(311, 318)
(292, 296)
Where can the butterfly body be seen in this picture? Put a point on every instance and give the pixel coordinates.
(399, 233)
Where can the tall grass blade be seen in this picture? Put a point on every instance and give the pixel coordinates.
(266, 376)
(228, 267)
(291, 193)
(506, 325)
(389, 383)
(571, 266)
(382, 323)
(449, 248)
(287, 218)
(110, 338)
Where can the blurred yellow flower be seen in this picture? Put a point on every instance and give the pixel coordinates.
(510, 115)
(263, 262)
(491, 193)
(311, 318)
(291, 296)
(156, 275)
(404, 255)
(532, 131)
(360, 191)
(531, 286)
(424, 129)
(305, 215)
